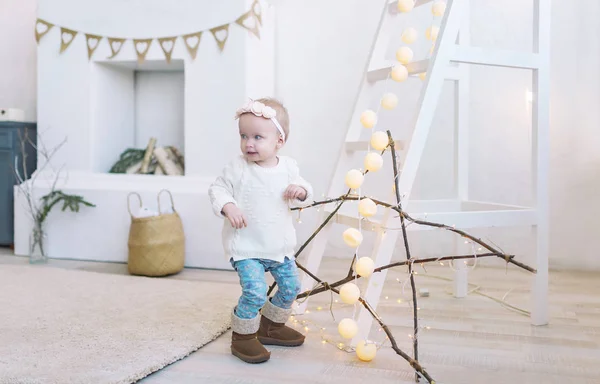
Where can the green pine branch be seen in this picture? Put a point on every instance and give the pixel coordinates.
(71, 202)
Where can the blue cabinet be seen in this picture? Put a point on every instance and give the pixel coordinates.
(12, 135)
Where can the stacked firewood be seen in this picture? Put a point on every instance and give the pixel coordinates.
(154, 159)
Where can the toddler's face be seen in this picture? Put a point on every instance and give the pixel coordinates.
(259, 138)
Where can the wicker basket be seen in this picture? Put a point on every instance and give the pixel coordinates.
(157, 243)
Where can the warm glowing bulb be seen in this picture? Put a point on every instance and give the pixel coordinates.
(365, 266)
(432, 32)
(404, 55)
(366, 351)
(399, 73)
(373, 162)
(438, 8)
(405, 5)
(379, 140)
(347, 328)
(349, 293)
(352, 237)
(367, 208)
(389, 101)
(422, 75)
(368, 118)
(409, 35)
(354, 178)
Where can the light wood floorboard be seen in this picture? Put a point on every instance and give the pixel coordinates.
(470, 340)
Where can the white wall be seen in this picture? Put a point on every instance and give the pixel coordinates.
(18, 56)
(112, 114)
(159, 101)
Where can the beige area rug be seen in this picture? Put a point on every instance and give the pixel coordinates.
(68, 326)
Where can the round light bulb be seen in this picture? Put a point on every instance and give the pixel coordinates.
(379, 140)
(354, 178)
(367, 208)
(347, 328)
(404, 55)
(366, 351)
(373, 162)
(389, 101)
(368, 118)
(349, 293)
(409, 35)
(399, 73)
(438, 8)
(432, 32)
(365, 266)
(405, 5)
(352, 237)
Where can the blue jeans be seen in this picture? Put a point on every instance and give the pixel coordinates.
(254, 285)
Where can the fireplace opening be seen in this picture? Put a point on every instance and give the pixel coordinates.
(138, 109)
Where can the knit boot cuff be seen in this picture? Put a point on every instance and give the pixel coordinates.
(276, 314)
(244, 326)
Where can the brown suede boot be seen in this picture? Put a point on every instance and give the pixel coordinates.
(273, 330)
(244, 342)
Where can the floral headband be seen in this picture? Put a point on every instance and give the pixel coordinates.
(259, 109)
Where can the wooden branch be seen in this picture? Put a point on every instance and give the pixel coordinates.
(168, 166)
(179, 156)
(500, 254)
(148, 155)
(176, 160)
(413, 362)
(350, 278)
(407, 249)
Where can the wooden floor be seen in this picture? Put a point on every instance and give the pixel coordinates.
(469, 340)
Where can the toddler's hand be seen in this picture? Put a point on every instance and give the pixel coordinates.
(235, 215)
(295, 192)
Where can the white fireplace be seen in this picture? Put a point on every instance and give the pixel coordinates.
(104, 106)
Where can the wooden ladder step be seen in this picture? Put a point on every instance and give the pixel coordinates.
(362, 145)
(348, 216)
(380, 71)
(393, 5)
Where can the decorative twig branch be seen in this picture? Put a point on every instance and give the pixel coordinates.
(324, 286)
(392, 145)
(406, 216)
(413, 362)
(352, 277)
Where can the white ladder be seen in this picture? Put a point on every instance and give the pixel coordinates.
(438, 69)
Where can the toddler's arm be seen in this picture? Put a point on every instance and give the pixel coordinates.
(296, 179)
(221, 190)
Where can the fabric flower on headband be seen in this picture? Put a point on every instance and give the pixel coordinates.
(261, 110)
(258, 109)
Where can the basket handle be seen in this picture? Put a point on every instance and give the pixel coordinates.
(158, 199)
(129, 202)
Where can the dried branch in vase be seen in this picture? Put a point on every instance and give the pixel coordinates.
(39, 208)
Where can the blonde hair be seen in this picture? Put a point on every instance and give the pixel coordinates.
(282, 114)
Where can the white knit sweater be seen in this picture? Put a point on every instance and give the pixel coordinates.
(258, 192)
